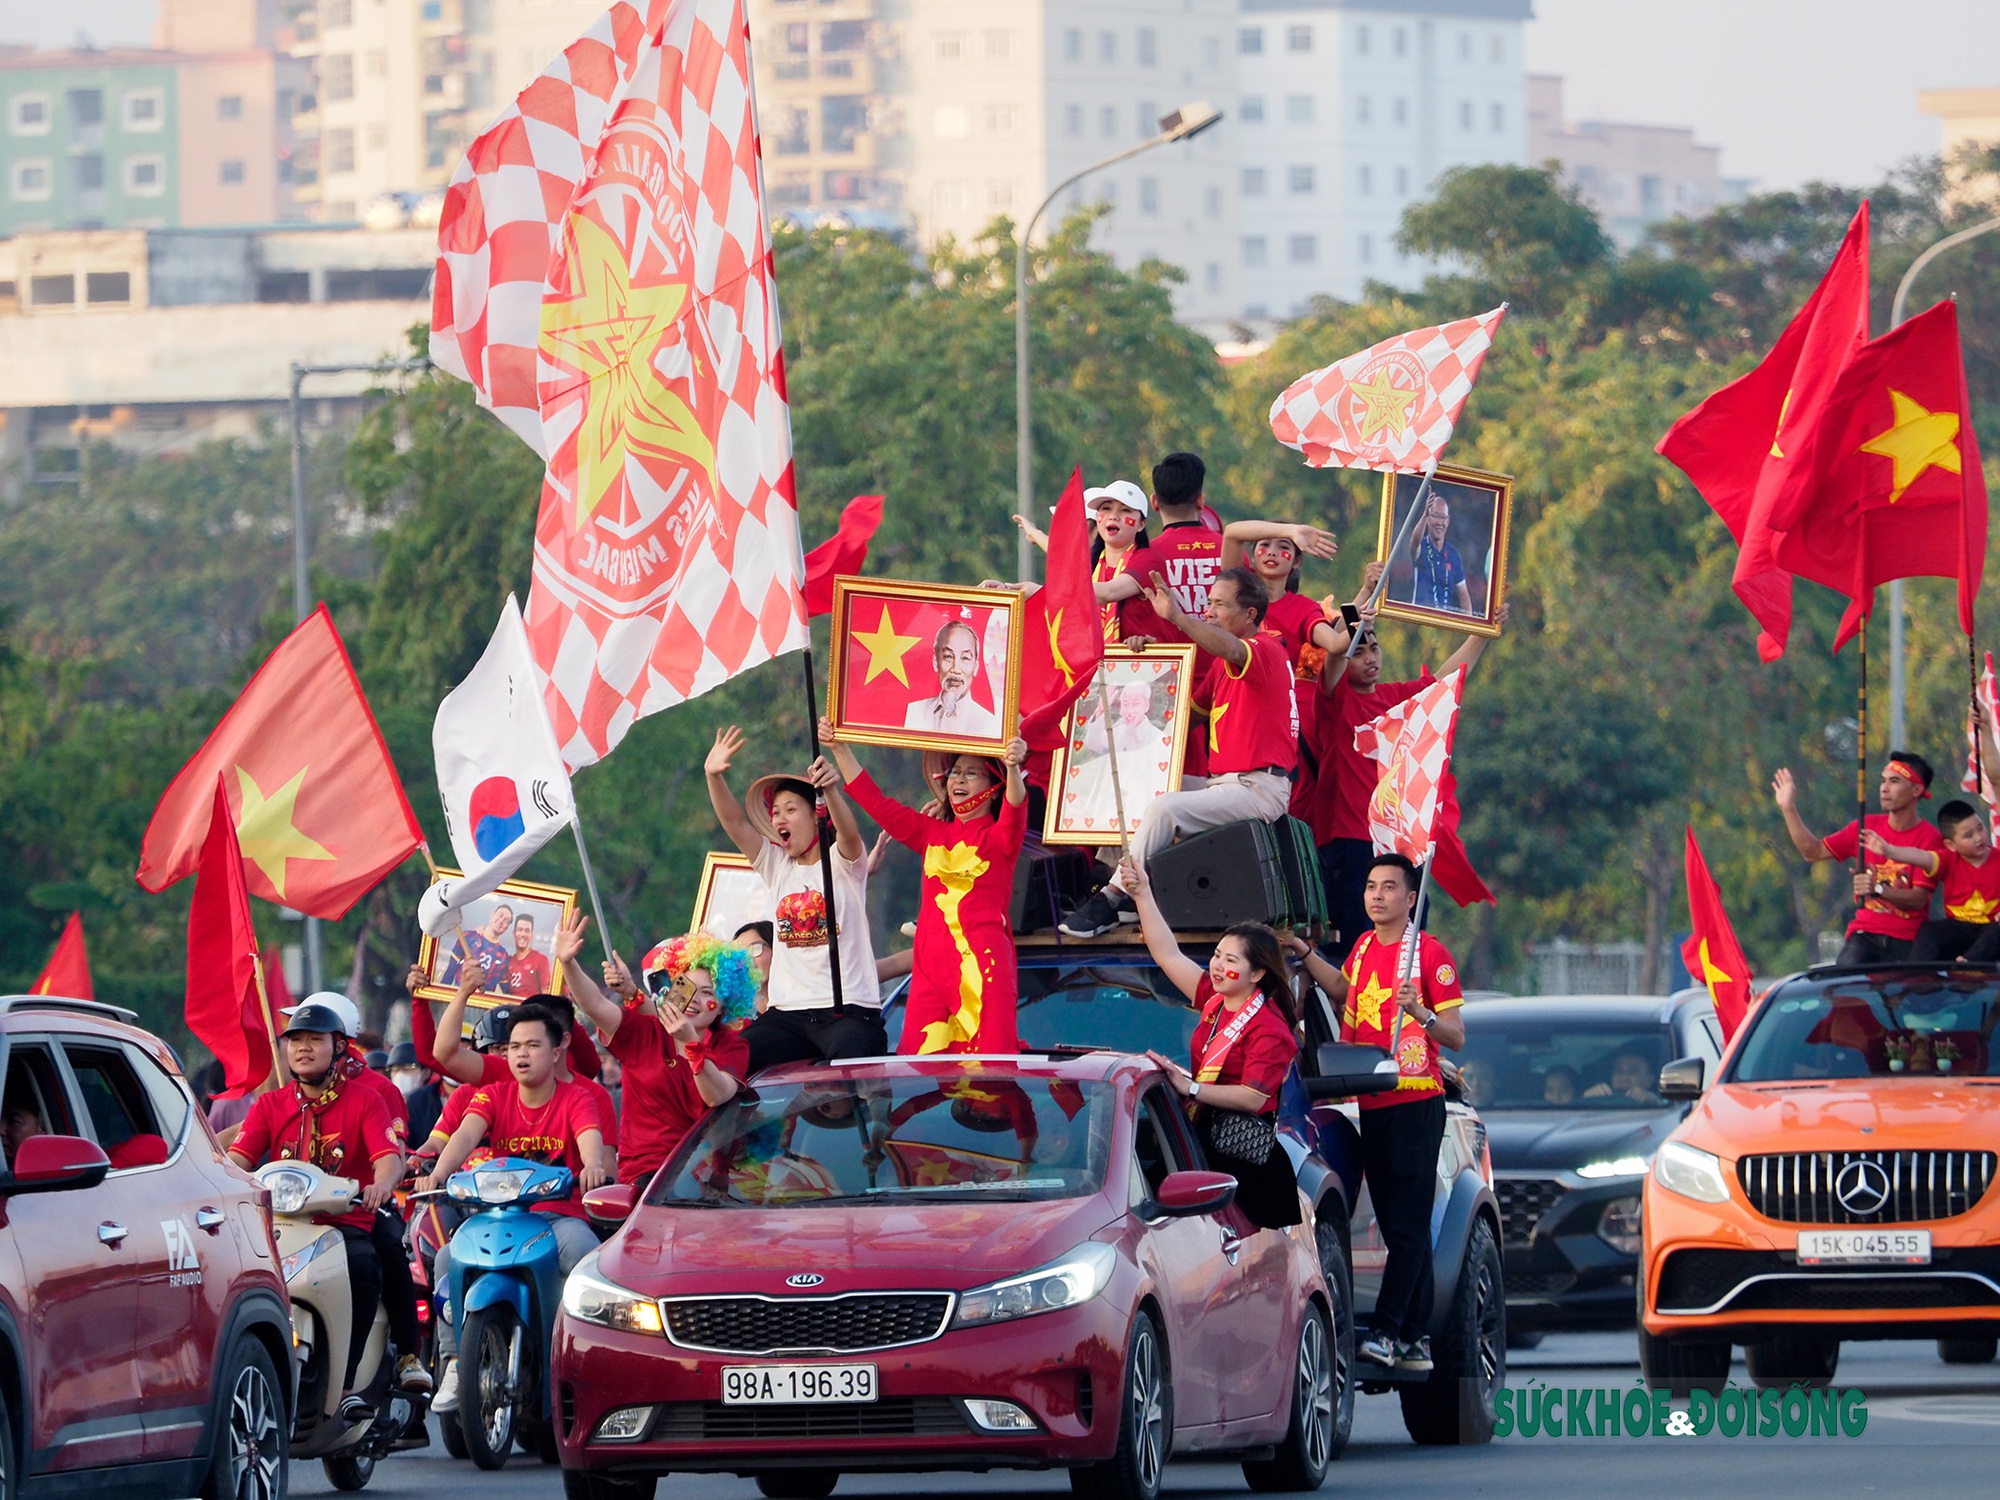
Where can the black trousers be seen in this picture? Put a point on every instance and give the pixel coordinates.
(782, 1036)
(364, 1282)
(399, 1292)
(1873, 948)
(1945, 940)
(1343, 870)
(1399, 1152)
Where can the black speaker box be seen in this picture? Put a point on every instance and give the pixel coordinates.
(1230, 874)
(1048, 881)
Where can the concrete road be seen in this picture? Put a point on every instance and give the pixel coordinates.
(1932, 1429)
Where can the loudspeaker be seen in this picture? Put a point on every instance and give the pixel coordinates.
(1048, 881)
(1216, 879)
(1302, 878)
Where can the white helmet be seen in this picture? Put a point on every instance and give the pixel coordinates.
(333, 1000)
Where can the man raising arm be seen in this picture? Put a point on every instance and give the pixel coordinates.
(1891, 897)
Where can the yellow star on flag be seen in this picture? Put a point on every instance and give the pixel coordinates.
(1917, 440)
(1055, 649)
(1710, 974)
(1385, 405)
(267, 828)
(1369, 1000)
(886, 650)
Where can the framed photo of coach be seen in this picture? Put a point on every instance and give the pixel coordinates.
(512, 932)
(1451, 570)
(928, 666)
(731, 894)
(1140, 704)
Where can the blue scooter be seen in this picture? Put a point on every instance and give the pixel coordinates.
(503, 1294)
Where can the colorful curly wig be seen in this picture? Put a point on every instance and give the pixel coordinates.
(725, 963)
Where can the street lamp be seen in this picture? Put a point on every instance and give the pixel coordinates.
(1184, 124)
(1896, 680)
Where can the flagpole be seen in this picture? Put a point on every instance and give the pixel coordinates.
(1396, 548)
(589, 877)
(270, 1020)
(823, 830)
(1972, 678)
(1111, 749)
(1407, 962)
(1861, 758)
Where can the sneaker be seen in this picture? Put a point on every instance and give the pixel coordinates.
(1098, 915)
(355, 1408)
(1379, 1350)
(1414, 1356)
(412, 1376)
(447, 1388)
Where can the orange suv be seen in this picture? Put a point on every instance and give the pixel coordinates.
(145, 1339)
(1834, 1181)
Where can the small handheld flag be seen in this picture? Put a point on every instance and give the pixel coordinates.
(1713, 956)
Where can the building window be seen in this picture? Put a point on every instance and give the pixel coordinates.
(1465, 114)
(145, 110)
(1149, 119)
(951, 197)
(842, 118)
(1250, 41)
(951, 122)
(336, 75)
(1211, 53)
(1000, 119)
(1072, 119)
(1401, 110)
(86, 108)
(792, 190)
(1496, 48)
(1073, 45)
(107, 286)
(1367, 249)
(1253, 182)
(32, 114)
(1303, 249)
(999, 46)
(1366, 178)
(1107, 191)
(1107, 46)
(336, 15)
(1211, 275)
(795, 38)
(52, 291)
(340, 149)
(1000, 194)
(1299, 179)
(843, 36)
(1107, 121)
(1402, 182)
(88, 172)
(1363, 108)
(229, 107)
(1148, 47)
(1211, 202)
(33, 181)
(1465, 46)
(793, 136)
(1298, 109)
(1252, 106)
(1256, 251)
(948, 46)
(431, 10)
(1400, 39)
(145, 176)
(232, 173)
(1298, 38)
(1149, 195)
(1497, 116)
(1361, 40)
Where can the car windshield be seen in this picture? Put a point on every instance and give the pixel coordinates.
(1534, 1062)
(1924, 1026)
(972, 1137)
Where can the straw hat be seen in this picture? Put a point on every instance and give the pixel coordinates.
(757, 800)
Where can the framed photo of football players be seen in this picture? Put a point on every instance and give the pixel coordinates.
(1451, 570)
(512, 933)
(927, 666)
(1140, 704)
(731, 894)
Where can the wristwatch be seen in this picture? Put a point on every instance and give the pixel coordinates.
(1429, 1021)
(1194, 1089)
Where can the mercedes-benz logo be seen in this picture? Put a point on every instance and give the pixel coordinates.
(1862, 1187)
(810, 1278)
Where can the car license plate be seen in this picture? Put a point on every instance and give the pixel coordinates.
(793, 1385)
(1861, 1247)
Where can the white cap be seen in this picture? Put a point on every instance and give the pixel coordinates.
(1124, 491)
(336, 1002)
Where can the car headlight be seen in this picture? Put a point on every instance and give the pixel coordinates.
(289, 1191)
(1624, 1166)
(1692, 1173)
(592, 1298)
(1077, 1277)
(299, 1259)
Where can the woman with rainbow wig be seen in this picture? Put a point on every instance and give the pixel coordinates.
(679, 1039)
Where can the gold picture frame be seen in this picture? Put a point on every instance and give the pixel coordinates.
(1478, 514)
(731, 894)
(1081, 807)
(544, 907)
(884, 688)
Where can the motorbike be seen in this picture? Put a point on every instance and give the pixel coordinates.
(503, 1292)
(430, 1227)
(313, 1259)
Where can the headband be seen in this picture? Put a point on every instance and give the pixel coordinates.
(1908, 772)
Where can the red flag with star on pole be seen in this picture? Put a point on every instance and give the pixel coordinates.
(1713, 956)
(67, 973)
(318, 808)
(1062, 639)
(225, 1005)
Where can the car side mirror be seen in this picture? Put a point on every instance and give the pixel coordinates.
(1348, 1068)
(54, 1164)
(1185, 1194)
(1683, 1078)
(612, 1203)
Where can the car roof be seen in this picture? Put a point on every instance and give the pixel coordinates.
(96, 1017)
(1069, 1067)
(1632, 1009)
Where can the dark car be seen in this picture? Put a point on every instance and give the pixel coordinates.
(1568, 1086)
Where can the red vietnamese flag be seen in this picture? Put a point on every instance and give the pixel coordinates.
(1713, 956)
(67, 973)
(317, 805)
(1063, 637)
(224, 1008)
(1898, 491)
(1750, 447)
(842, 553)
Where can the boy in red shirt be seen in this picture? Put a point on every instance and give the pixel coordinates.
(1400, 1130)
(1968, 879)
(327, 1117)
(1891, 897)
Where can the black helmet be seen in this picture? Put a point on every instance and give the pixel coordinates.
(316, 1018)
(378, 1060)
(490, 1032)
(403, 1055)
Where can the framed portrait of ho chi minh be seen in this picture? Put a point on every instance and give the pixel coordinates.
(731, 894)
(1451, 570)
(928, 666)
(1140, 704)
(512, 933)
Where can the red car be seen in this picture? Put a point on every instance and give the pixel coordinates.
(145, 1340)
(916, 1263)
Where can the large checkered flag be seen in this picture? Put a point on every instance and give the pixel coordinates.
(604, 281)
(1413, 743)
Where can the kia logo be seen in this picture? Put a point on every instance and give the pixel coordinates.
(1862, 1187)
(813, 1278)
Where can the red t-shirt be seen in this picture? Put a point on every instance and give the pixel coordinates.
(1874, 914)
(1970, 893)
(349, 1135)
(1253, 720)
(1291, 618)
(393, 1104)
(1370, 1014)
(659, 1086)
(1346, 778)
(1187, 555)
(527, 974)
(545, 1133)
(1113, 615)
(1261, 1055)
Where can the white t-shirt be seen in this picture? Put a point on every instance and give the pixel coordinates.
(800, 977)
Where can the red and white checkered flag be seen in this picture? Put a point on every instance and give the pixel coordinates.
(1981, 785)
(1413, 743)
(604, 281)
(1393, 405)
